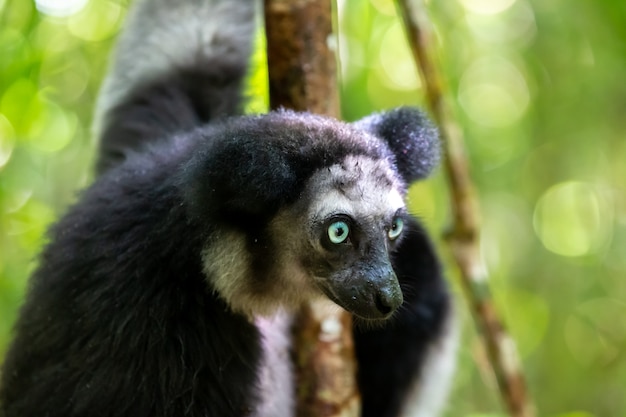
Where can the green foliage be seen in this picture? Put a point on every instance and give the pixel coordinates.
(538, 91)
(50, 69)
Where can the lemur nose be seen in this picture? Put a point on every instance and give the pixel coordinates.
(387, 300)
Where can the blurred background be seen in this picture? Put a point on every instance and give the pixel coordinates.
(538, 88)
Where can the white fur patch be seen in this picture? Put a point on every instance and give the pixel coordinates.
(430, 389)
(360, 187)
(276, 380)
(227, 264)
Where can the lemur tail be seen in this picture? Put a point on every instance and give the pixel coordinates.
(178, 64)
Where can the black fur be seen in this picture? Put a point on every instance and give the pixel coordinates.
(171, 104)
(118, 321)
(274, 155)
(120, 317)
(412, 138)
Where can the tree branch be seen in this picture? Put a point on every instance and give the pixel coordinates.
(463, 237)
(302, 76)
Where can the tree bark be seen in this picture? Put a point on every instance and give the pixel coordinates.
(302, 76)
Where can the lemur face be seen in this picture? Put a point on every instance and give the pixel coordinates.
(334, 241)
(354, 222)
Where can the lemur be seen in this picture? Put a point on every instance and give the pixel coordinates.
(168, 288)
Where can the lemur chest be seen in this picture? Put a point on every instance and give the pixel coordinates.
(275, 378)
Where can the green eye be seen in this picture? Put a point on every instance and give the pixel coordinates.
(338, 232)
(396, 228)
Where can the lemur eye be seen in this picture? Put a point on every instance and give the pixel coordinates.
(396, 228)
(338, 232)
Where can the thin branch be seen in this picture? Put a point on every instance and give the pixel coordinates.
(302, 76)
(463, 237)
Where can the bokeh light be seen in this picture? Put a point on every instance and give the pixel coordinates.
(53, 126)
(400, 72)
(493, 92)
(98, 21)
(7, 140)
(573, 219)
(60, 8)
(488, 7)
(518, 27)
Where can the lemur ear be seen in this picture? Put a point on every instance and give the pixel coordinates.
(412, 138)
(238, 177)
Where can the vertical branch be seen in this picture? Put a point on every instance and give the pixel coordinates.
(302, 76)
(301, 66)
(463, 237)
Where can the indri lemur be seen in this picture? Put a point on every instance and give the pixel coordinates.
(167, 289)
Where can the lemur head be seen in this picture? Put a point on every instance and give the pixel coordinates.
(300, 206)
(350, 217)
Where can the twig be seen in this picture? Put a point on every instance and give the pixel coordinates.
(302, 76)
(463, 237)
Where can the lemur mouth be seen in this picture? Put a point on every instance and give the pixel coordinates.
(367, 301)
